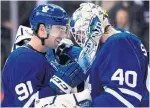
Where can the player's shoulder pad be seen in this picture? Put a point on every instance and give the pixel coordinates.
(23, 32)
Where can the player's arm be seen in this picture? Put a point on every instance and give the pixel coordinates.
(82, 99)
(77, 72)
(33, 81)
(63, 55)
(122, 76)
(70, 74)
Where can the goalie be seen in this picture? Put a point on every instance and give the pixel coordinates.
(118, 75)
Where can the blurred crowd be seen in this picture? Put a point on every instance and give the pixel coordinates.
(134, 17)
(129, 15)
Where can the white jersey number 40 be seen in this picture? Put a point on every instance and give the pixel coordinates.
(119, 76)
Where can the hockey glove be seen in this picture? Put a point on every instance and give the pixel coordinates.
(61, 52)
(67, 77)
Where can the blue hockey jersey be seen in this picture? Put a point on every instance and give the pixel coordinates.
(25, 77)
(118, 74)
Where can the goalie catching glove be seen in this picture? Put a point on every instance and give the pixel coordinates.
(82, 99)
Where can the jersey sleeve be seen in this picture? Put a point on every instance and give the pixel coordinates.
(121, 75)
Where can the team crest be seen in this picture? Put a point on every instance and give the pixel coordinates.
(45, 9)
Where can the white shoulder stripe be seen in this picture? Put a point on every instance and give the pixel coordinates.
(148, 79)
(119, 97)
(30, 101)
(37, 95)
(131, 93)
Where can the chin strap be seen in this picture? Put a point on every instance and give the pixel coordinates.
(43, 39)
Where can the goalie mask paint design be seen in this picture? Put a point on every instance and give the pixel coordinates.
(81, 18)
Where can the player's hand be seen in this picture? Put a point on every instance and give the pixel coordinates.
(61, 52)
(67, 77)
(81, 99)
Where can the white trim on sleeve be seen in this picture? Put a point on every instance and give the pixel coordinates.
(119, 97)
(131, 93)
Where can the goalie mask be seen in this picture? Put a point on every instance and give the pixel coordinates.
(88, 24)
(86, 19)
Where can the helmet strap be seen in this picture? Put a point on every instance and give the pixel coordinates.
(43, 39)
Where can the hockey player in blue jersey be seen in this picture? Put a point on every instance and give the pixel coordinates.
(64, 54)
(27, 76)
(119, 72)
(27, 72)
